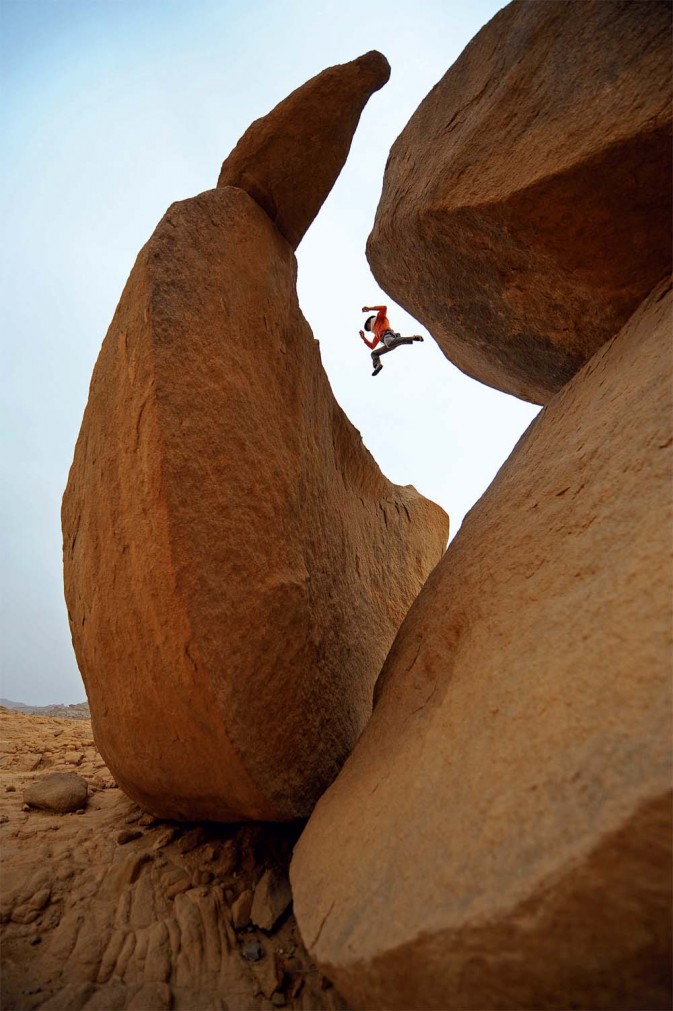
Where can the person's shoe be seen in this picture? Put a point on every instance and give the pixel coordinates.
(377, 369)
(417, 337)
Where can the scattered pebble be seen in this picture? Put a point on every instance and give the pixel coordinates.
(190, 840)
(10, 789)
(177, 888)
(272, 897)
(127, 835)
(228, 857)
(165, 838)
(252, 951)
(240, 910)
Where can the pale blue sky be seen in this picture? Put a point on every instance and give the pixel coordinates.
(113, 109)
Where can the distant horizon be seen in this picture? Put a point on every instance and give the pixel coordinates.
(20, 706)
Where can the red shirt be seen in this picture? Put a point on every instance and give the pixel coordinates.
(379, 326)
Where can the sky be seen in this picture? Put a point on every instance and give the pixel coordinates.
(113, 109)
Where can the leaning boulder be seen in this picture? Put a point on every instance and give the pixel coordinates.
(236, 565)
(526, 206)
(289, 160)
(500, 837)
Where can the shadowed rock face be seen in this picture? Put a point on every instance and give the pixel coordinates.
(501, 835)
(289, 160)
(526, 207)
(236, 565)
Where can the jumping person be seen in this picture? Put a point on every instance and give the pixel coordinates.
(384, 334)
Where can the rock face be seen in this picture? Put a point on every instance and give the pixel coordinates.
(289, 160)
(526, 207)
(112, 909)
(500, 837)
(236, 565)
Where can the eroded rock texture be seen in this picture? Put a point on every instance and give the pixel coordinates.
(526, 207)
(110, 909)
(500, 837)
(236, 565)
(289, 160)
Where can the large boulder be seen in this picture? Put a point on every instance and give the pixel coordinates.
(526, 206)
(500, 837)
(236, 565)
(289, 160)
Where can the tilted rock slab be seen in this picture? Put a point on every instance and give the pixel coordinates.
(500, 837)
(289, 160)
(236, 565)
(526, 206)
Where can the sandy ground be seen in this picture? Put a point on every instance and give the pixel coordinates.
(109, 908)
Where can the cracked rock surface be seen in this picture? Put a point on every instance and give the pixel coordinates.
(108, 908)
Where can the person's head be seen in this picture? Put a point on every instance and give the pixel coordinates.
(369, 322)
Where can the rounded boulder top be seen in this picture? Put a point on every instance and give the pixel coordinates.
(270, 163)
(376, 66)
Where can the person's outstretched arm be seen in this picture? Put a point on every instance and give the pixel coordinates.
(378, 308)
(370, 344)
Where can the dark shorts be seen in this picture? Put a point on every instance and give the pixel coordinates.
(390, 341)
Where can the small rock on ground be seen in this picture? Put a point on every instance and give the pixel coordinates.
(58, 791)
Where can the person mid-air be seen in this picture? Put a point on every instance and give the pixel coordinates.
(384, 334)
